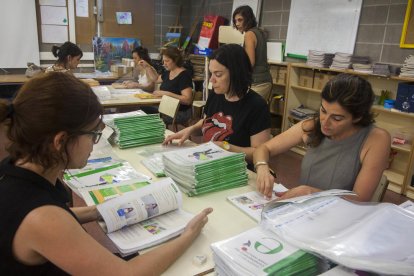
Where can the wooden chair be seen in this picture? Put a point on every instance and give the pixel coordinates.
(380, 190)
(169, 107)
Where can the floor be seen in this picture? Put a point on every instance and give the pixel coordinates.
(287, 167)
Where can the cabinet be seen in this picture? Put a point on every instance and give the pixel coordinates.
(304, 88)
(280, 77)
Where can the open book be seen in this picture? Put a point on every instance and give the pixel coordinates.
(144, 216)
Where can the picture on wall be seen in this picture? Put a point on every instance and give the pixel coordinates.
(110, 50)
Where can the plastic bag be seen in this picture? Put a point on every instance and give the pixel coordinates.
(33, 70)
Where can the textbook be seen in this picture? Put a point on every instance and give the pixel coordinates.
(259, 252)
(252, 202)
(144, 217)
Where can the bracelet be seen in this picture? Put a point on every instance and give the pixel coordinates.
(259, 163)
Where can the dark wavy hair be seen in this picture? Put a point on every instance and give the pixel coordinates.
(235, 59)
(43, 107)
(143, 54)
(247, 13)
(174, 54)
(66, 49)
(352, 93)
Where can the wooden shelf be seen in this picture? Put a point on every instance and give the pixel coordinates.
(403, 148)
(380, 108)
(305, 89)
(395, 177)
(279, 84)
(410, 192)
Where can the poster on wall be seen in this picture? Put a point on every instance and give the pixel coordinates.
(108, 51)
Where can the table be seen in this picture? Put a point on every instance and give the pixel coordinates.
(13, 79)
(127, 99)
(225, 221)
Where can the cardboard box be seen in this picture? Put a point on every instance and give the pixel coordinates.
(405, 97)
(119, 70)
(321, 79)
(282, 76)
(306, 78)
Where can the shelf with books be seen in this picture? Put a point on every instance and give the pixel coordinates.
(304, 87)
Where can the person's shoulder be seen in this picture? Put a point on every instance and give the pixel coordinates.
(380, 134)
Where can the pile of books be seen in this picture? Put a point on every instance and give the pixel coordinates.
(198, 63)
(205, 168)
(381, 69)
(260, 252)
(408, 68)
(319, 59)
(341, 61)
(361, 64)
(135, 128)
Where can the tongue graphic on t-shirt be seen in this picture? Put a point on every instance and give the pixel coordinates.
(217, 127)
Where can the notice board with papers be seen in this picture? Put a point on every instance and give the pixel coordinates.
(323, 25)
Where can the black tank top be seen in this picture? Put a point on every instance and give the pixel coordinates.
(22, 191)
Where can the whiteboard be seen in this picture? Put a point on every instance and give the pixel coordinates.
(18, 34)
(323, 25)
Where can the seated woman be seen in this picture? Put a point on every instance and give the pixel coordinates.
(140, 75)
(68, 55)
(234, 116)
(345, 149)
(53, 123)
(176, 82)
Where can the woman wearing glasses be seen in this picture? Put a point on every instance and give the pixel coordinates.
(52, 125)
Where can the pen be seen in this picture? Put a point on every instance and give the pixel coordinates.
(205, 272)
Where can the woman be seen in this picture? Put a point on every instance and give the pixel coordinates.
(68, 55)
(141, 80)
(346, 151)
(175, 82)
(234, 116)
(53, 123)
(256, 48)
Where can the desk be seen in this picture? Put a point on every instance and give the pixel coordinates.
(127, 100)
(225, 221)
(13, 79)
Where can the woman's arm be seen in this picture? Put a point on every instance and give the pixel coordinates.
(279, 144)
(51, 233)
(255, 141)
(86, 214)
(185, 98)
(152, 74)
(250, 42)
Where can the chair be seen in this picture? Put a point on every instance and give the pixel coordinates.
(169, 107)
(228, 34)
(380, 190)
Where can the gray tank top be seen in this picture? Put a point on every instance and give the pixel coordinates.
(334, 164)
(261, 73)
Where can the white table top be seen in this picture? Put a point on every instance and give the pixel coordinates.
(125, 97)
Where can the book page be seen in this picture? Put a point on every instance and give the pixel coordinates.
(144, 203)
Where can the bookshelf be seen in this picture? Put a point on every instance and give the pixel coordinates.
(304, 86)
(280, 77)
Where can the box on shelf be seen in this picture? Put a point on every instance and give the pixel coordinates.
(119, 70)
(279, 74)
(321, 79)
(306, 78)
(405, 97)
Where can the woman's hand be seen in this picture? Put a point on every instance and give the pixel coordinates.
(195, 225)
(159, 93)
(182, 135)
(132, 84)
(264, 181)
(297, 191)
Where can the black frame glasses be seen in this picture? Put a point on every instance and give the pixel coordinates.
(96, 134)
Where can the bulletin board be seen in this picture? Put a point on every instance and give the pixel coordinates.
(323, 25)
(142, 26)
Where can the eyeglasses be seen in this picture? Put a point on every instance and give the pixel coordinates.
(96, 134)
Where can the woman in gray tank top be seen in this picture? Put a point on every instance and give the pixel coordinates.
(345, 150)
(256, 48)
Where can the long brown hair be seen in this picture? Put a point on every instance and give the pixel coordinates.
(43, 107)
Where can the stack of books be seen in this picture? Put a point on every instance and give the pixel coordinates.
(205, 168)
(319, 59)
(135, 128)
(381, 69)
(341, 61)
(260, 252)
(408, 68)
(361, 64)
(198, 63)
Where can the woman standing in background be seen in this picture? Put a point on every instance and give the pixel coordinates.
(68, 55)
(255, 47)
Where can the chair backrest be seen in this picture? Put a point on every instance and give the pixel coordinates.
(169, 106)
(380, 190)
(228, 34)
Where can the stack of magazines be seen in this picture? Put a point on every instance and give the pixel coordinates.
(135, 128)
(205, 168)
(319, 59)
(260, 252)
(341, 61)
(408, 68)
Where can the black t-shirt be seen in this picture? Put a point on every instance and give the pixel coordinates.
(235, 122)
(22, 191)
(176, 85)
